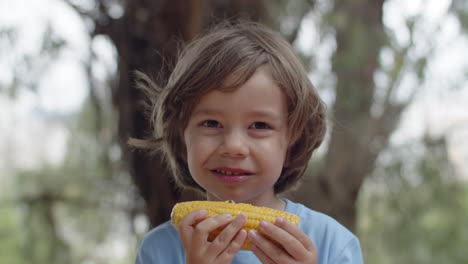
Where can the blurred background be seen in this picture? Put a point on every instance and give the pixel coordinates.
(393, 169)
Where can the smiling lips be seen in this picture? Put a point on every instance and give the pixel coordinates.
(231, 175)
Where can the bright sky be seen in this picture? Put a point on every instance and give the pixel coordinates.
(440, 107)
(62, 86)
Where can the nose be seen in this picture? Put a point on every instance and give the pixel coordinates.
(234, 145)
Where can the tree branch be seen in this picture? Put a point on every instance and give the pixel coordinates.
(78, 9)
(295, 32)
(103, 22)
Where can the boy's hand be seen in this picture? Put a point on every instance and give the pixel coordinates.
(194, 230)
(293, 246)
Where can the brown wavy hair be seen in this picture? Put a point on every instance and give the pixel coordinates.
(226, 57)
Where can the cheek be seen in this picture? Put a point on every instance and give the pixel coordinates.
(195, 147)
(273, 152)
(190, 149)
(278, 145)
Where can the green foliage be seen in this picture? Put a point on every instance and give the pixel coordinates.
(10, 238)
(63, 213)
(414, 210)
(460, 9)
(60, 214)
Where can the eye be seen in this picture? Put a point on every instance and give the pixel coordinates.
(260, 125)
(211, 123)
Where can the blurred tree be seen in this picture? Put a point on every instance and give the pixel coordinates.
(356, 137)
(365, 110)
(10, 235)
(460, 9)
(27, 69)
(66, 211)
(29, 232)
(79, 195)
(415, 208)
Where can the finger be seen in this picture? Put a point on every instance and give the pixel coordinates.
(193, 217)
(297, 233)
(257, 251)
(203, 229)
(290, 243)
(236, 244)
(270, 249)
(228, 233)
(187, 223)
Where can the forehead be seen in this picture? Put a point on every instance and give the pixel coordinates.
(259, 94)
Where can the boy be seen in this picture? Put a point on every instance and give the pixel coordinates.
(238, 120)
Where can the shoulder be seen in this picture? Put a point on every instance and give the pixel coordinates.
(334, 242)
(161, 244)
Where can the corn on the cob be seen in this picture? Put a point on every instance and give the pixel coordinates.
(254, 214)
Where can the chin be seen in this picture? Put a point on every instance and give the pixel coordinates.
(231, 197)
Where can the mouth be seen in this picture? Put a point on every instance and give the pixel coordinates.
(229, 175)
(231, 172)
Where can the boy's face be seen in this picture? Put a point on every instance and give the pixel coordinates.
(237, 141)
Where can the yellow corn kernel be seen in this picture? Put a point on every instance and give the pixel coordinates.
(254, 214)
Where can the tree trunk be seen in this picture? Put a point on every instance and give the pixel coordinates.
(354, 143)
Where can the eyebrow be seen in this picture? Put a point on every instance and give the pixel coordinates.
(262, 113)
(265, 113)
(206, 111)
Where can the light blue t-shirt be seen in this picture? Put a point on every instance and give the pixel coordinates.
(334, 243)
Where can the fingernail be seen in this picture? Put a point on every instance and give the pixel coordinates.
(241, 216)
(203, 212)
(252, 234)
(243, 232)
(263, 225)
(279, 220)
(227, 216)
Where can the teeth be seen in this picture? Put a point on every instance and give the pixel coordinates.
(229, 173)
